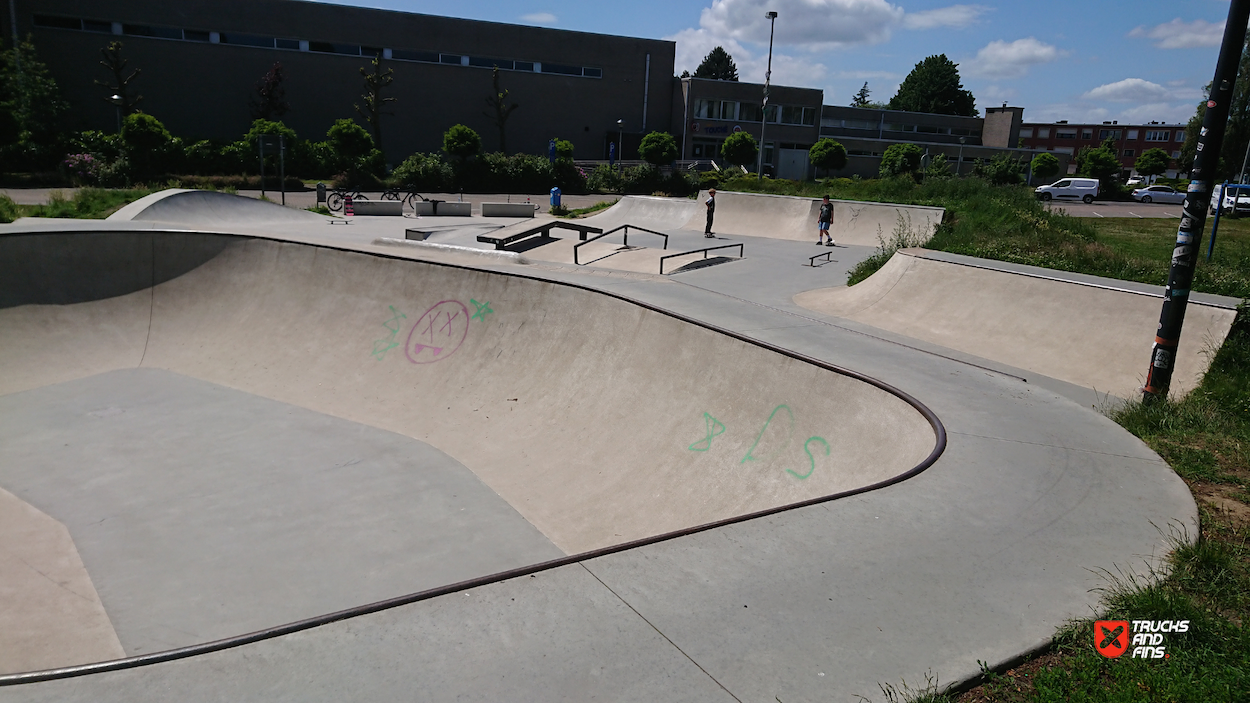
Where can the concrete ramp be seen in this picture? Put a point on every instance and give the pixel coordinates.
(205, 208)
(775, 216)
(1095, 333)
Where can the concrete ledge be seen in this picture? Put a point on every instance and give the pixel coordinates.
(505, 257)
(423, 207)
(456, 209)
(394, 208)
(507, 210)
(416, 235)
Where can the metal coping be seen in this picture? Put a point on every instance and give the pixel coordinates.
(939, 431)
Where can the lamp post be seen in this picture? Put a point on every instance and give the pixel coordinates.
(620, 142)
(772, 24)
(960, 165)
(117, 103)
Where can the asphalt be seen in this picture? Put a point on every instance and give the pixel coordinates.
(649, 404)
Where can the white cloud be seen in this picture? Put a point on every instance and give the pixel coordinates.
(1182, 35)
(694, 44)
(1129, 90)
(1171, 113)
(954, 16)
(811, 24)
(1001, 59)
(540, 18)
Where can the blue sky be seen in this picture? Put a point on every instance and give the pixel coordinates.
(1079, 61)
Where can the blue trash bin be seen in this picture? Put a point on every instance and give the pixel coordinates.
(555, 197)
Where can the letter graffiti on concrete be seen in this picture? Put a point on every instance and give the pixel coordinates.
(775, 442)
(387, 343)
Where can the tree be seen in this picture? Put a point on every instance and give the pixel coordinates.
(1237, 131)
(462, 142)
(30, 102)
(498, 101)
(270, 103)
(1152, 162)
(740, 149)
(120, 86)
(939, 169)
(374, 103)
(717, 65)
(564, 149)
(145, 140)
(1003, 169)
(1100, 163)
(900, 159)
(933, 86)
(827, 154)
(861, 98)
(658, 148)
(349, 143)
(1045, 166)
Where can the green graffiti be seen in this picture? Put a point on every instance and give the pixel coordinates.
(713, 428)
(387, 343)
(750, 456)
(811, 460)
(483, 309)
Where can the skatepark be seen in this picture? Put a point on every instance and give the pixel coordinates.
(252, 451)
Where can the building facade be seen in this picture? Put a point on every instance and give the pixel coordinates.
(201, 60)
(1062, 138)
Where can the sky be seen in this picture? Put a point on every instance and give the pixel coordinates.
(1084, 61)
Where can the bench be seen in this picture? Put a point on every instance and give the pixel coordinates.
(507, 210)
(544, 229)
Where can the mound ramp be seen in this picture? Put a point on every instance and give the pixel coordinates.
(1089, 331)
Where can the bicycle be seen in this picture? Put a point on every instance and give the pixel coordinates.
(334, 200)
(407, 195)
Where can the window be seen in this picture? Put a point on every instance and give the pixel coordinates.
(705, 109)
(592, 72)
(1132, 134)
(1027, 133)
(58, 22)
(1063, 150)
(899, 127)
(930, 129)
(107, 28)
(196, 35)
(749, 112)
(728, 110)
(791, 114)
(770, 114)
(1180, 135)
(451, 59)
(1128, 152)
(503, 64)
(328, 48)
(1176, 154)
(1157, 136)
(143, 30)
(292, 44)
(859, 124)
(1043, 132)
(562, 70)
(809, 116)
(1087, 134)
(527, 66)
(406, 55)
(1065, 134)
(1112, 133)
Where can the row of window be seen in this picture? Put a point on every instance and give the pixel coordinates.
(1153, 135)
(750, 112)
(830, 123)
(1127, 153)
(263, 42)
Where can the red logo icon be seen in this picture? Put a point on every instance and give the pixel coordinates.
(1111, 637)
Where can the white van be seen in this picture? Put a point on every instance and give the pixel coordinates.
(1083, 189)
(1236, 201)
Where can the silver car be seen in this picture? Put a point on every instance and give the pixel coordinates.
(1159, 194)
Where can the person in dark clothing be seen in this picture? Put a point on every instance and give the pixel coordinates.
(822, 223)
(711, 211)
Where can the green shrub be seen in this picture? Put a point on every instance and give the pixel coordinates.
(564, 149)
(8, 209)
(1045, 167)
(605, 179)
(828, 155)
(426, 172)
(658, 148)
(901, 159)
(462, 142)
(740, 149)
(1003, 169)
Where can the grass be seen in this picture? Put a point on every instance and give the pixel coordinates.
(87, 203)
(583, 211)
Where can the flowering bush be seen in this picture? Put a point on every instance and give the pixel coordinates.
(82, 169)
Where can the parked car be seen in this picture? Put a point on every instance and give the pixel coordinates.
(1135, 181)
(1233, 201)
(1083, 189)
(1159, 194)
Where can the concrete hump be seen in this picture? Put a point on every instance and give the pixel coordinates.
(661, 214)
(1096, 335)
(207, 208)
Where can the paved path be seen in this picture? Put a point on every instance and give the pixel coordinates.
(629, 390)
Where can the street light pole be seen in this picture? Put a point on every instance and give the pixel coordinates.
(960, 165)
(620, 142)
(117, 103)
(768, 75)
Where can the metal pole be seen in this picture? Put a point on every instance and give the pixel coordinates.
(282, 167)
(1215, 226)
(1241, 175)
(768, 75)
(960, 164)
(262, 167)
(1194, 211)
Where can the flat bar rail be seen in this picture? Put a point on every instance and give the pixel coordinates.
(544, 228)
(741, 253)
(616, 229)
(811, 260)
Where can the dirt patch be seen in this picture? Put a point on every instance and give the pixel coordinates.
(1014, 684)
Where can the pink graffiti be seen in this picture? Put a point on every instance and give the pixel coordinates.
(438, 333)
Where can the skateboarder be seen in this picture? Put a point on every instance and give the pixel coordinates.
(711, 211)
(822, 223)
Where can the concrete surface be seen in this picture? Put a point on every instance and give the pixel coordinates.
(1087, 331)
(980, 557)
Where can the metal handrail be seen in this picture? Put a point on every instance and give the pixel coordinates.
(741, 253)
(828, 258)
(615, 229)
